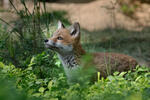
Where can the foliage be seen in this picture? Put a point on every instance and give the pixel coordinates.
(20, 42)
(128, 10)
(45, 65)
(125, 86)
(9, 92)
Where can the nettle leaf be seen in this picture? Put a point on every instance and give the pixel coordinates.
(147, 74)
(138, 78)
(41, 89)
(50, 85)
(37, 94)
(115, 73)
(122, 74)
(2, 65)
(38, 82)
(111, 78)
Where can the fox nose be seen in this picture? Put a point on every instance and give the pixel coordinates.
(46, 40)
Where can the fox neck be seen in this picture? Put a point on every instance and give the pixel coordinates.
(72, 59)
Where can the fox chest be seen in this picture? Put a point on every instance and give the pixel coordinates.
(68, 61)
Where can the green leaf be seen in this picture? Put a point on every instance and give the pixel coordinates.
(50, 85)
(122, 73)
(2, 65)
(138, 78)
(41, 89)
(111, 78)
(36, 94)
(115, 73)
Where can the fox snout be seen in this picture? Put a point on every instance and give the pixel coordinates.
(64, 39)
(45, 40)
(49, 43)
(57, 46)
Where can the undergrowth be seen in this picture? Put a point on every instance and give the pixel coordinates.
(119, 86)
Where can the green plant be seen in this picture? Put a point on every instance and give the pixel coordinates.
(126, 85)
(128, 10)
(45, 65)
(26, 38)
(9, 92)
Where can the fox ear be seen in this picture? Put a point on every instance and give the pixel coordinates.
(60, 25)
(75, 29)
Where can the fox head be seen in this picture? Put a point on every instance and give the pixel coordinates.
(64, 40)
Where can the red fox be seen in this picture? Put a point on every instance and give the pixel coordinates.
(66, 43)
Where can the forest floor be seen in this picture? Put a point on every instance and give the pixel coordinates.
(96, 14)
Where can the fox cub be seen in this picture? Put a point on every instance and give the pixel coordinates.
(66, 43)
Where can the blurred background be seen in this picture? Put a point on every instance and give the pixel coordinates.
(121, 26)
(107, 25)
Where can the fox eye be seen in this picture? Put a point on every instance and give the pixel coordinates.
(59, 38)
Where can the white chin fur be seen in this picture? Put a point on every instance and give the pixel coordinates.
(46, 45)
(60, 46)
(65, 48)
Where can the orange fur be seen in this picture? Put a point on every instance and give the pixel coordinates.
(105, 63)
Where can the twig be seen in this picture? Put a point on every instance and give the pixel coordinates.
(26, 7)
(6, 22)
(13, 6)
(16, 30)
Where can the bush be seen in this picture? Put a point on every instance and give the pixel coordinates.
(9, 92)
(125, 86)
(45, 65)
(26, 38)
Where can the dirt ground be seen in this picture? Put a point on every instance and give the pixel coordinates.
(100, 14)
(95, 14)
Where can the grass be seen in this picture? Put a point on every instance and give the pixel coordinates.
(134, 43)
